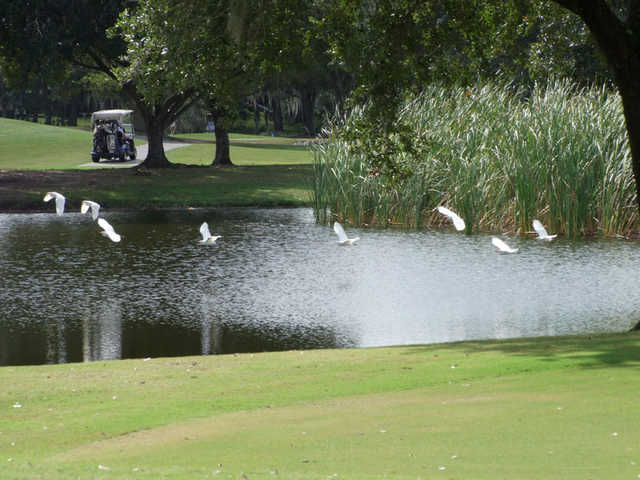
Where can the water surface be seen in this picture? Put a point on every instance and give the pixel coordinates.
(276, 280)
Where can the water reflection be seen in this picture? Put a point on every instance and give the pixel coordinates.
(102, 332)
(277, 281)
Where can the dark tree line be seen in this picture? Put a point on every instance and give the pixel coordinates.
(165, 55)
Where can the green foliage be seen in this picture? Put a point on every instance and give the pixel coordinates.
(398, 46)
(563, 47)
(497, 157)
(42, 38)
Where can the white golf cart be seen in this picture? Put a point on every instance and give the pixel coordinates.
(113, 135)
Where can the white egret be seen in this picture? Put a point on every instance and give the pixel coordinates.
(457, 221)
(108, 230)
(88, 204)
(501, 246)
(59, 201)
(542, 232)
(206, 234)
(342, 236)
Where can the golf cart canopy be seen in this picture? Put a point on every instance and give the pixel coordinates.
(124, 118)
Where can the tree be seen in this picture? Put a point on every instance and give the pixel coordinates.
(393, 46)
(563, 47)
(188, 49)
(33, 56)
(616, 29)
(288, 56)
(48, 36)
(148, 72)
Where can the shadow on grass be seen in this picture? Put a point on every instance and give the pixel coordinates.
(270, 146)
(587, 351)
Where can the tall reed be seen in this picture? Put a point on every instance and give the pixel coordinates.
(497, 156)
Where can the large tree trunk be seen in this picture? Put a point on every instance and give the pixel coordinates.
(223, 155)
(71, 111)
(256, 116)
(156, 119)
(618, 39)
(308, 109)
(156, 157)
(276, 108)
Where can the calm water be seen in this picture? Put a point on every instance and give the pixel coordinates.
(276, 280)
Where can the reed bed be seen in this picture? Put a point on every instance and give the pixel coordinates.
(499, 157)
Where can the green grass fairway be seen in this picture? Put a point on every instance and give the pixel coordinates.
(240, 138)
(547, 408)
(34, 146)
(28, 146)
(279, 152)
(270, 171)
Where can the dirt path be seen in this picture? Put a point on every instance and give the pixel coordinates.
(142, 154)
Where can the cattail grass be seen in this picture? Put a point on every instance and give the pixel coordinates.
(498, 156)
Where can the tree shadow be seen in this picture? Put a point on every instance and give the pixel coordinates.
(270, 146)
(585, 351)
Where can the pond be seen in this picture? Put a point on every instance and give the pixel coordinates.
(276, 281)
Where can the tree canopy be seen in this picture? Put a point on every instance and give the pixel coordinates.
(164, 54)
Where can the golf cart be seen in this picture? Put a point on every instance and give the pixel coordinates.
(113, 135)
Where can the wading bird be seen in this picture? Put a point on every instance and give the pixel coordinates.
(206, 234)
(542, 232)
(457, 221)
(59, 201)
(342, 236)
(88, 204)
(108, 230)
(501, 246)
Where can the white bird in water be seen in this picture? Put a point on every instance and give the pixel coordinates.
(342, 236)
(88, 204)
(542, 232)
(59, 201)
(501, 246)
(457, 221)
(108, 230)
(206, 234)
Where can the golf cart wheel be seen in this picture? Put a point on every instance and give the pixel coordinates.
(95, 158)
(132, 156)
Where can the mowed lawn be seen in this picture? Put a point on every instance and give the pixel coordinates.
(27, 146)
(246, 150)
(545, 408)
(271, 171)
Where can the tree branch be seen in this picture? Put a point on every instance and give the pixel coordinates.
(605, 26)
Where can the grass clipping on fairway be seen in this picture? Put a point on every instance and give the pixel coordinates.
(532, 408)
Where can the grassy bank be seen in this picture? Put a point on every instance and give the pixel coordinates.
(36, 158)
(26, 146)
(546, 408)
(273, 185)
(499, 158)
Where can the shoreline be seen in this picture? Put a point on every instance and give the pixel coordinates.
(134, 189)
